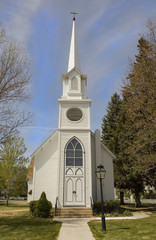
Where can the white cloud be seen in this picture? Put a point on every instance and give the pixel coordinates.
(20, 25)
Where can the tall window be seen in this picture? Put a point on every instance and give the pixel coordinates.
(74, 154)
(74, 85)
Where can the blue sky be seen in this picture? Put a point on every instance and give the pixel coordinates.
(107, 33)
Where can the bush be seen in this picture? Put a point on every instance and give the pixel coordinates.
(30, 192)
(32, 206)
(37, 208)
(50, 205)
(43, 207)
(109, 206)
(149, 195)
(127, 213)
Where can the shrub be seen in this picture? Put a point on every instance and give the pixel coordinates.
(127, 213)
(30, 192)
(32, 206)
(109, 206)
(50, 205)
(149, 195)
(43, 207)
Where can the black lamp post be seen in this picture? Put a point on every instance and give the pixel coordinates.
(100, 173)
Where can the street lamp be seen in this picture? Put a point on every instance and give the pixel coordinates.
(100, 174)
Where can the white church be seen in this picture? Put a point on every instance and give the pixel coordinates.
(64, 165)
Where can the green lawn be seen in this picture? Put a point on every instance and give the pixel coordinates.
(125, 229)
(14, 205)
(16, 223)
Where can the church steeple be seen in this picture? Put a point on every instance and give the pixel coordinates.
(74, 61)
(74, 82)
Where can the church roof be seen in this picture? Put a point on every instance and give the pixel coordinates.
(74, 61)
(31, 166)
(44, 143)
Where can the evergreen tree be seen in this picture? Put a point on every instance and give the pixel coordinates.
(111, 137)
(109, 122)
(125, 174)
(139, 101)
(129, 129)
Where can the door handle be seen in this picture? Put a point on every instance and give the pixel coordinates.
(74, 191)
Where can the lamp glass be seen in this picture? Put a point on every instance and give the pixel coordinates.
(100, 172)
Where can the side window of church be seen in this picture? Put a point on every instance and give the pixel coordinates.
(74, 155)
(74, 83)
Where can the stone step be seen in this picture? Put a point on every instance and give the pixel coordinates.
(74, 212)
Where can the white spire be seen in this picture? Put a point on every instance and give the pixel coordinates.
(74, 61)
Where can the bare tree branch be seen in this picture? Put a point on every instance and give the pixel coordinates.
(14, 85)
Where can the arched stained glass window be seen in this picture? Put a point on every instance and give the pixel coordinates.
(74, 154)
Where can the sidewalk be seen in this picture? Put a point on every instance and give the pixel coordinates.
(77, 228)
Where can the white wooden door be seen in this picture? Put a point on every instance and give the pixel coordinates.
(74, 174)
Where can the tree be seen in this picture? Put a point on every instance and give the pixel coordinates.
(139, 105)
(126, 175)
(20, 183)
(109, 123)
(129, 131)
(12, 166)
(14, 86)
(110, 137)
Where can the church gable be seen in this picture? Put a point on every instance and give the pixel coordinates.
(44, 144)
(45, 169)
(103, 147)
(108, 151)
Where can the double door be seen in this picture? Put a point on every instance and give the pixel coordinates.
(74, 187)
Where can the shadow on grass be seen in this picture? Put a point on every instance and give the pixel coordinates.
(108, 229)
(146, 207)
(125, 228)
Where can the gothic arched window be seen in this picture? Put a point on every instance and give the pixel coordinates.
(74, 84)
(74, 153)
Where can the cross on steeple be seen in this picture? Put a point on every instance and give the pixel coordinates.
(74, 15)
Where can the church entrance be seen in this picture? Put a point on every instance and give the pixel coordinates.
(74, 174)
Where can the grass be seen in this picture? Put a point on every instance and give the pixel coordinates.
(125, 229)
(14, 205)
(16, 223)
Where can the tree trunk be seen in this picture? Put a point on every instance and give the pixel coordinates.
(122, 198)
(137, 197)
(7, 199)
